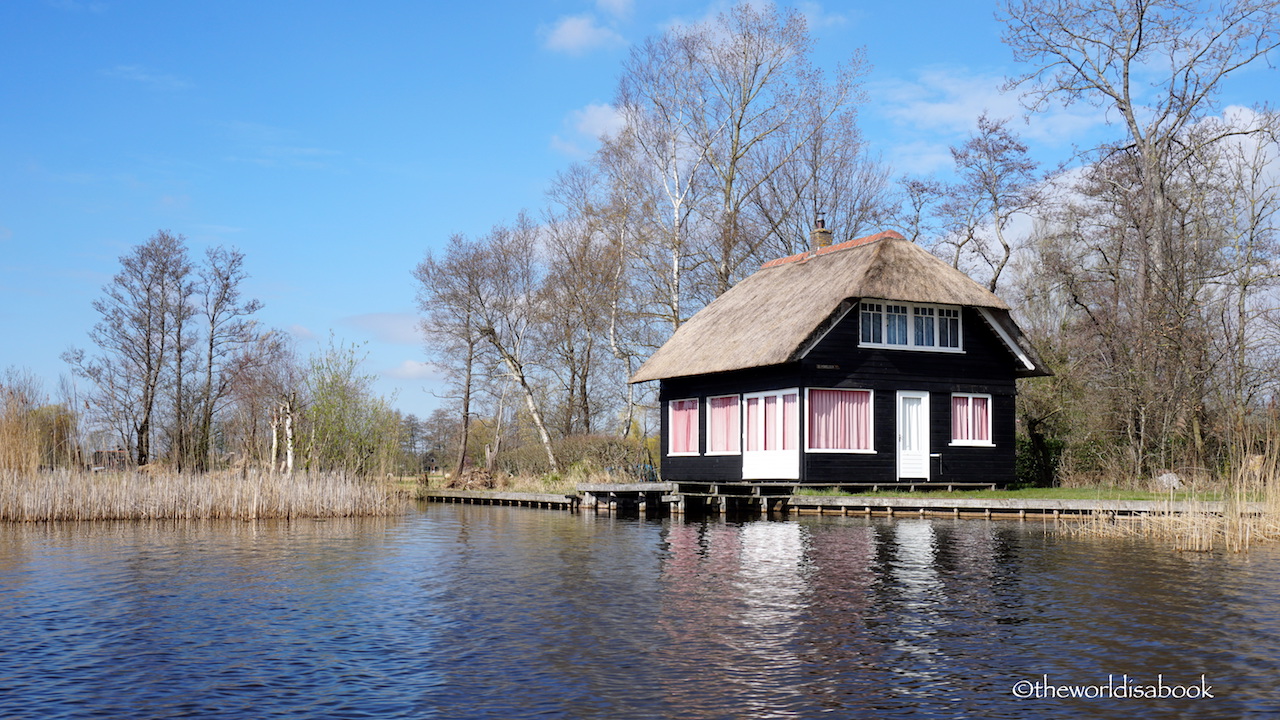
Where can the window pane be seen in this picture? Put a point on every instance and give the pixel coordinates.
(723, 432)
(753, 424)
(895, 324)
(684, 426)
(959, 417)
(971, 418)
(839, 420)
(790, 420)
(771, 423)
(924, 326)
(981, 420)
(948, 328)
(872, 319)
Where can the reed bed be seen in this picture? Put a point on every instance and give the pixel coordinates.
(1248, 513)
(66, 495)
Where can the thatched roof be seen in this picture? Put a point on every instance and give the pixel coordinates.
(769, 317)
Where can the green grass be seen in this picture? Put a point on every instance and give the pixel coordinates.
(1081, 493)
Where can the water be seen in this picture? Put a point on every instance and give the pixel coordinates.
(476, 612)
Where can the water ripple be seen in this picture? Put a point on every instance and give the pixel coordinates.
(474, 612)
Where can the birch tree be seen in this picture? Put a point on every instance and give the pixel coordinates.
(1157, 66)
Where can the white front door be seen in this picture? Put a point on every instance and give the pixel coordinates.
(913, 435)
(771, 435)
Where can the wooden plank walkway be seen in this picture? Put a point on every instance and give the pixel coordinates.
(656, 498)
(995, 507)
(499, 497)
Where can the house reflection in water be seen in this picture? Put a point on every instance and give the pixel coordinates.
(766, 611)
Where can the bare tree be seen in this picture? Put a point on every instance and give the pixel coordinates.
(656, 160)
(1135, 260)
(996, 182)
(136, 338)
(767, 106)
(227, 332)
(447, 295)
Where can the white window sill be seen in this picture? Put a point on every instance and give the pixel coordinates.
(972, 443)
(839, 451)
(912, 348)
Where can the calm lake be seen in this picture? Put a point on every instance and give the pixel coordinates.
(461, 611)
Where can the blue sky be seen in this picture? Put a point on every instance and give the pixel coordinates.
(335, 142)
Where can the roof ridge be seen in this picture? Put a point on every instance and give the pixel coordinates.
(846, 245)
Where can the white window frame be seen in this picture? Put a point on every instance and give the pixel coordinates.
(697, 436)
(871, 422)
(779, 463)
(881, 313)
(990, 427)
(711, 430)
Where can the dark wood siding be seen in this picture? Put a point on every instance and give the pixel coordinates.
(985, 366)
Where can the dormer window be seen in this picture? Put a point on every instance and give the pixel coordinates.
(910, 326)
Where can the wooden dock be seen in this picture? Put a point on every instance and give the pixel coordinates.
(498, 497)
(658, 499)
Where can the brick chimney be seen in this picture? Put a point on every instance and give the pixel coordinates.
(819, 236)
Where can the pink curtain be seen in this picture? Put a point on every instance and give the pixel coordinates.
(770, 422)
(790, 420)
(753, 424)
(960, 417)
(970, 418)
(684, 426)
(724, 432)
(981, 421)
(839, 420)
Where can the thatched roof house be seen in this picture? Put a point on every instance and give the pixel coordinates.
(858, 337)
(771, 317)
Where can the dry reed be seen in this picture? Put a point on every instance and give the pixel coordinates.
(1248, 513)
(65, 495)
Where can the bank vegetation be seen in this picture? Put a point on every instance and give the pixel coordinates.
(63, 495)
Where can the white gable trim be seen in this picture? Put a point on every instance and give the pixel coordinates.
(1008, 340)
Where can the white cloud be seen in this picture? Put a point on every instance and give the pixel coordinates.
(940, 107)
(597, 120)
(921, 157)
(944, 99)
(394, 328)
(414, 370)
(617, 8)
(818, 18)
(567, 147)
(585, 127)
(145, 76)
(302, 333)
(579, 34)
